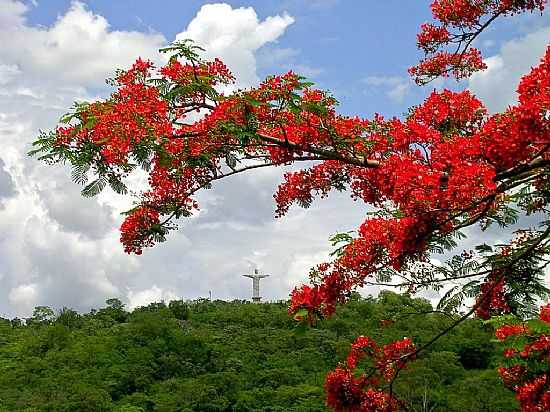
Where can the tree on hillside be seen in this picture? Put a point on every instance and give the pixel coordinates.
(234, 357)
(446, 166)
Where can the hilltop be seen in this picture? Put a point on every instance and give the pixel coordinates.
(233, 356)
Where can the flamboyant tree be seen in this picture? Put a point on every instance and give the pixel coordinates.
(444, 167)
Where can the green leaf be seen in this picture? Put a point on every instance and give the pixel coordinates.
(79, 174)
(300, 315)
(315, 108)
(254, 102)
(450, 300)
(66, 118)
(117, 185)
(484, 248)
(538, 326)
(95, 187)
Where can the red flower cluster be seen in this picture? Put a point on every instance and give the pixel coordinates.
(492, 298)
(511, 375)
(445, 64)
(182, 75)
(431, 36)
(346, 392)
(523, 373)
(443, 157)
(215, 72)
(301, 187)
(309, 298)
(534, 395)
(461, 21)
(545, 313)
(137, 231)
(511, 330)
(461, 13)
(134, 116)
(443, 161)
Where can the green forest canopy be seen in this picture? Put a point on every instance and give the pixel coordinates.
(233, 356)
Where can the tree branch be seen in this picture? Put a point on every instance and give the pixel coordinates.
(324, 153)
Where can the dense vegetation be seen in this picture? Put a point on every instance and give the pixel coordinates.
(233, 356)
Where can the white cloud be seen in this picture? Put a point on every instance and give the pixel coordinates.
(23, 295)
(55, 248)
(234, 35)
(8, 72)
(497, 85)
(79, 48)
(307, 71)
(7, 187)
(11, 13)
(270, 56)
(147, 296)
(396, 88)
(300, 265)
(59, 249)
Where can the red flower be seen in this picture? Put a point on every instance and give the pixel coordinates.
(346, 392)
(545, 313)
(511, 330)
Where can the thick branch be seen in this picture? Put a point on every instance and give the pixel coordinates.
(324, 153)
(534, 164)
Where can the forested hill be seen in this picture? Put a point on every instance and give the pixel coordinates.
(233, 356)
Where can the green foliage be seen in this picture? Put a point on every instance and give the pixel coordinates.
(233, 356)
(42, 315)
(179, 309)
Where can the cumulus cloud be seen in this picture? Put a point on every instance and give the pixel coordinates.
(8, 72)
(147, 296)
(73, 212)
(7, 187)
(234, 35)
(59, 249)
(497, 85)
(79, 48)
(55, 248)
(23, 295)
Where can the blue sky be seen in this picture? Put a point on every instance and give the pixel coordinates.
(346, 41)
(337, 43)
(59, 249)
